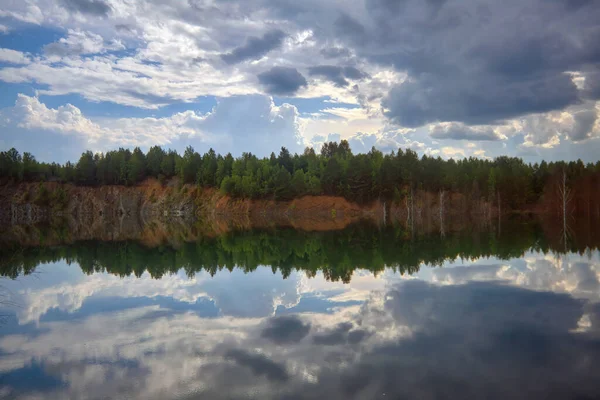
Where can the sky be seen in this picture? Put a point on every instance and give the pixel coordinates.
(449, 78)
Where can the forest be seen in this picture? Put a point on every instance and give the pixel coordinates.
(506, 182)
(337, 254)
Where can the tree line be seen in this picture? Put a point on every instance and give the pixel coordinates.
(337, 254)
(504, 181)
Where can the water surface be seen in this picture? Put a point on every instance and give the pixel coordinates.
(362, 313)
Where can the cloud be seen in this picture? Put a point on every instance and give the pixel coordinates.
(13, 57)
(335, 52)
(80, 42)
(285, 329)
(283, 81)
(337, 75)
(592, 85)
(30, 113)
(259, 364)
(335, 336)
(452, 152)
(92, 7)
(546, 130)
(584, 122)
(458, 131)
(476, 101)
(534, 337)
(235, 124)
(254, 124)
(427, 61)
(255, 47)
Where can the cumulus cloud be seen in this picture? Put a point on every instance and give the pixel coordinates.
(284, 81)
(13, 57)
(427, 62)
(92, 7)
(79, 42)
(458, 131)
(464, 99)
(259, 364)
(338, 75)
(335, 52)
(532, 337)
(592, 85)
(236, 124)
(285, 329)
(255, 47)
(583, 126)
(546, 130)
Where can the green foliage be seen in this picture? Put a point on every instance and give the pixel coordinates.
(59, 199)
(337, 254)
(136, 170)
(298, 184)
(336, 171)
(42, 197)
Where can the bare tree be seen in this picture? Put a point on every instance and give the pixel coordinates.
(442, 232)
(565, 196)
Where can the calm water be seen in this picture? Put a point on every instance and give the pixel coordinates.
(362, 313)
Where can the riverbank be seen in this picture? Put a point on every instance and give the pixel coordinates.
(151, 201)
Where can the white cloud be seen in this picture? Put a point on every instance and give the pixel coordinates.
(236, 124)
(173, 56)
(452, 152)
(546, 130)
(13, 57)
(3, 29)
(79, 42)
(460, 131)
(23, 11)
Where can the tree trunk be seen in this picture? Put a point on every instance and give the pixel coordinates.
(442, 232)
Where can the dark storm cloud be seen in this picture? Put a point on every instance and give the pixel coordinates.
(337, 335)
(255, 47)
(354, 73)
(336, 74)
(285, 329)
(467, 341)
(330, 72)
(346, 26)
(574, 5)
(476, 100)
(584, 123)
(357, 336)
(592, 85)
(92, 7)
(476, 61)
(335, 52)
(283, 81)
(259, 364)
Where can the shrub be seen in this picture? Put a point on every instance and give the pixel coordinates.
(42, 197)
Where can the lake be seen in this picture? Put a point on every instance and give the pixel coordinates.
(504, 311)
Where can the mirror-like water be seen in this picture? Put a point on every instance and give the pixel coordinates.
(361, 313)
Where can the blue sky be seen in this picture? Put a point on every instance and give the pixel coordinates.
(447, 77)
